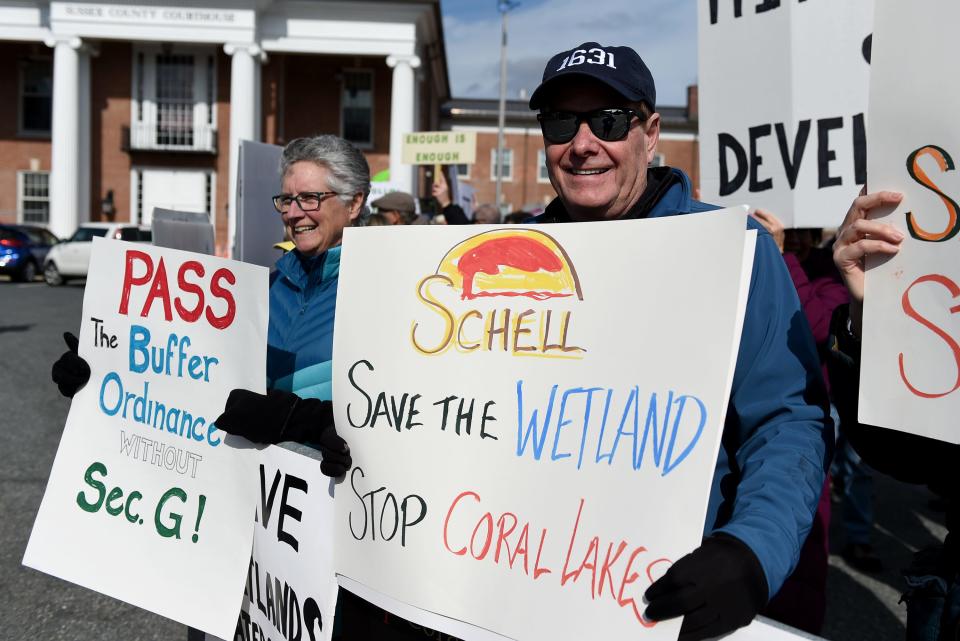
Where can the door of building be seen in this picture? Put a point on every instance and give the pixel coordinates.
(179, 189)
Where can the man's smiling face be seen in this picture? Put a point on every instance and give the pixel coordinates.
(596, 179)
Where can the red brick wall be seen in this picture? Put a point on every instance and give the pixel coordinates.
(17, 152)
(523, 188)
(110, 84)
(682, 154)
(309, 99)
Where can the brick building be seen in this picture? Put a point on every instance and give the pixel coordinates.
(112, 108)
(525, 182)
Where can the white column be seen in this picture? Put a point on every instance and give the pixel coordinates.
(65, 136)
(244, 125)
(84, 156)
(402, 116)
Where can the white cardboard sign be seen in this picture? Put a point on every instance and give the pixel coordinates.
(534, 414)
(910, 375)
(146, 498)
(782, 95)
(291, 590)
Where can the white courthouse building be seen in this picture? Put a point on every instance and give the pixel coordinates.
(109, 109)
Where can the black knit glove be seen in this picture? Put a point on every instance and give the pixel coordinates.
(70, 372)
(283, 416)
(718, 588)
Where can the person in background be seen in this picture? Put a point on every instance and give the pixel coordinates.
(486, 214)
(452, 213)
(600, 130)
(516, 217)
(933, 580)
(397, 208)
(377, 220)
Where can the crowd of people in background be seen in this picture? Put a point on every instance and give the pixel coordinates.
(401, 208)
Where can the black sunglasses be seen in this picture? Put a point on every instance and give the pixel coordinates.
(606, 124)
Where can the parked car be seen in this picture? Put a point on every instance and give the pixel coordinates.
(23, 249)
(71, 258)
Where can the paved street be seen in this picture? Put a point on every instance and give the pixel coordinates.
(36, 606)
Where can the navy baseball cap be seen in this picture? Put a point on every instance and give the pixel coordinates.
(620, 68)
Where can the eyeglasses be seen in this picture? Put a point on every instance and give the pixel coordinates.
(606, 124)
(306, 200)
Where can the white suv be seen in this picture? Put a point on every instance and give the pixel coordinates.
(71, 258)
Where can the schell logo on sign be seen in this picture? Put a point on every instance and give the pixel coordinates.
(524, 271)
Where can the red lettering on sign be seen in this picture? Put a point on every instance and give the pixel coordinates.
(952, 344)
(160, 289)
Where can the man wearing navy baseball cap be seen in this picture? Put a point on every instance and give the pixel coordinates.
(597, 107)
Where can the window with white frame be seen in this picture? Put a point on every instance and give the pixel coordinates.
(463, 172)
(542, 175)
(356, 107)
(174, 99)
(507, 166)
(174, 74)
(36, 96)
(33, 197)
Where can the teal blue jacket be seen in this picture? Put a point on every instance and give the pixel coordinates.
(303, 303)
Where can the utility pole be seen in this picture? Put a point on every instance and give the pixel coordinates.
(503, 6)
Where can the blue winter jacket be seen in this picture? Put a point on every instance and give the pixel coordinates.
(778, 436)
(303, 301)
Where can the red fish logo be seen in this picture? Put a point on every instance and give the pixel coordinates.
(511, 262)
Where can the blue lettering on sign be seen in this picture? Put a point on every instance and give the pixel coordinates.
(171, 360)
(670, 420)
(140, 407)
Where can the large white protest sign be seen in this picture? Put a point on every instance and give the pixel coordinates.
(534, 414)
(782, 95)
(147, 501)
(910, 377)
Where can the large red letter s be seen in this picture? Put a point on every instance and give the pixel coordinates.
(218, 291)
(949, 340)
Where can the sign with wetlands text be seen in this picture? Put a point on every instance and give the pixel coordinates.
(147, 501)
(440, 148)
(534, 414)
(782, 95)
(291, 590)
(910, 375)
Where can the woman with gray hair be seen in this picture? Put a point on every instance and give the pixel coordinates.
(324, 186)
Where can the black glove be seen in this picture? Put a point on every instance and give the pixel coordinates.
(718, 588)
(70, 372)
(283, 416)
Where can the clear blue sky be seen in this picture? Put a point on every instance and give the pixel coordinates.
(664, 33)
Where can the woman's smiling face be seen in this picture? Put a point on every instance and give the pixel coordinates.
(314, 232)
